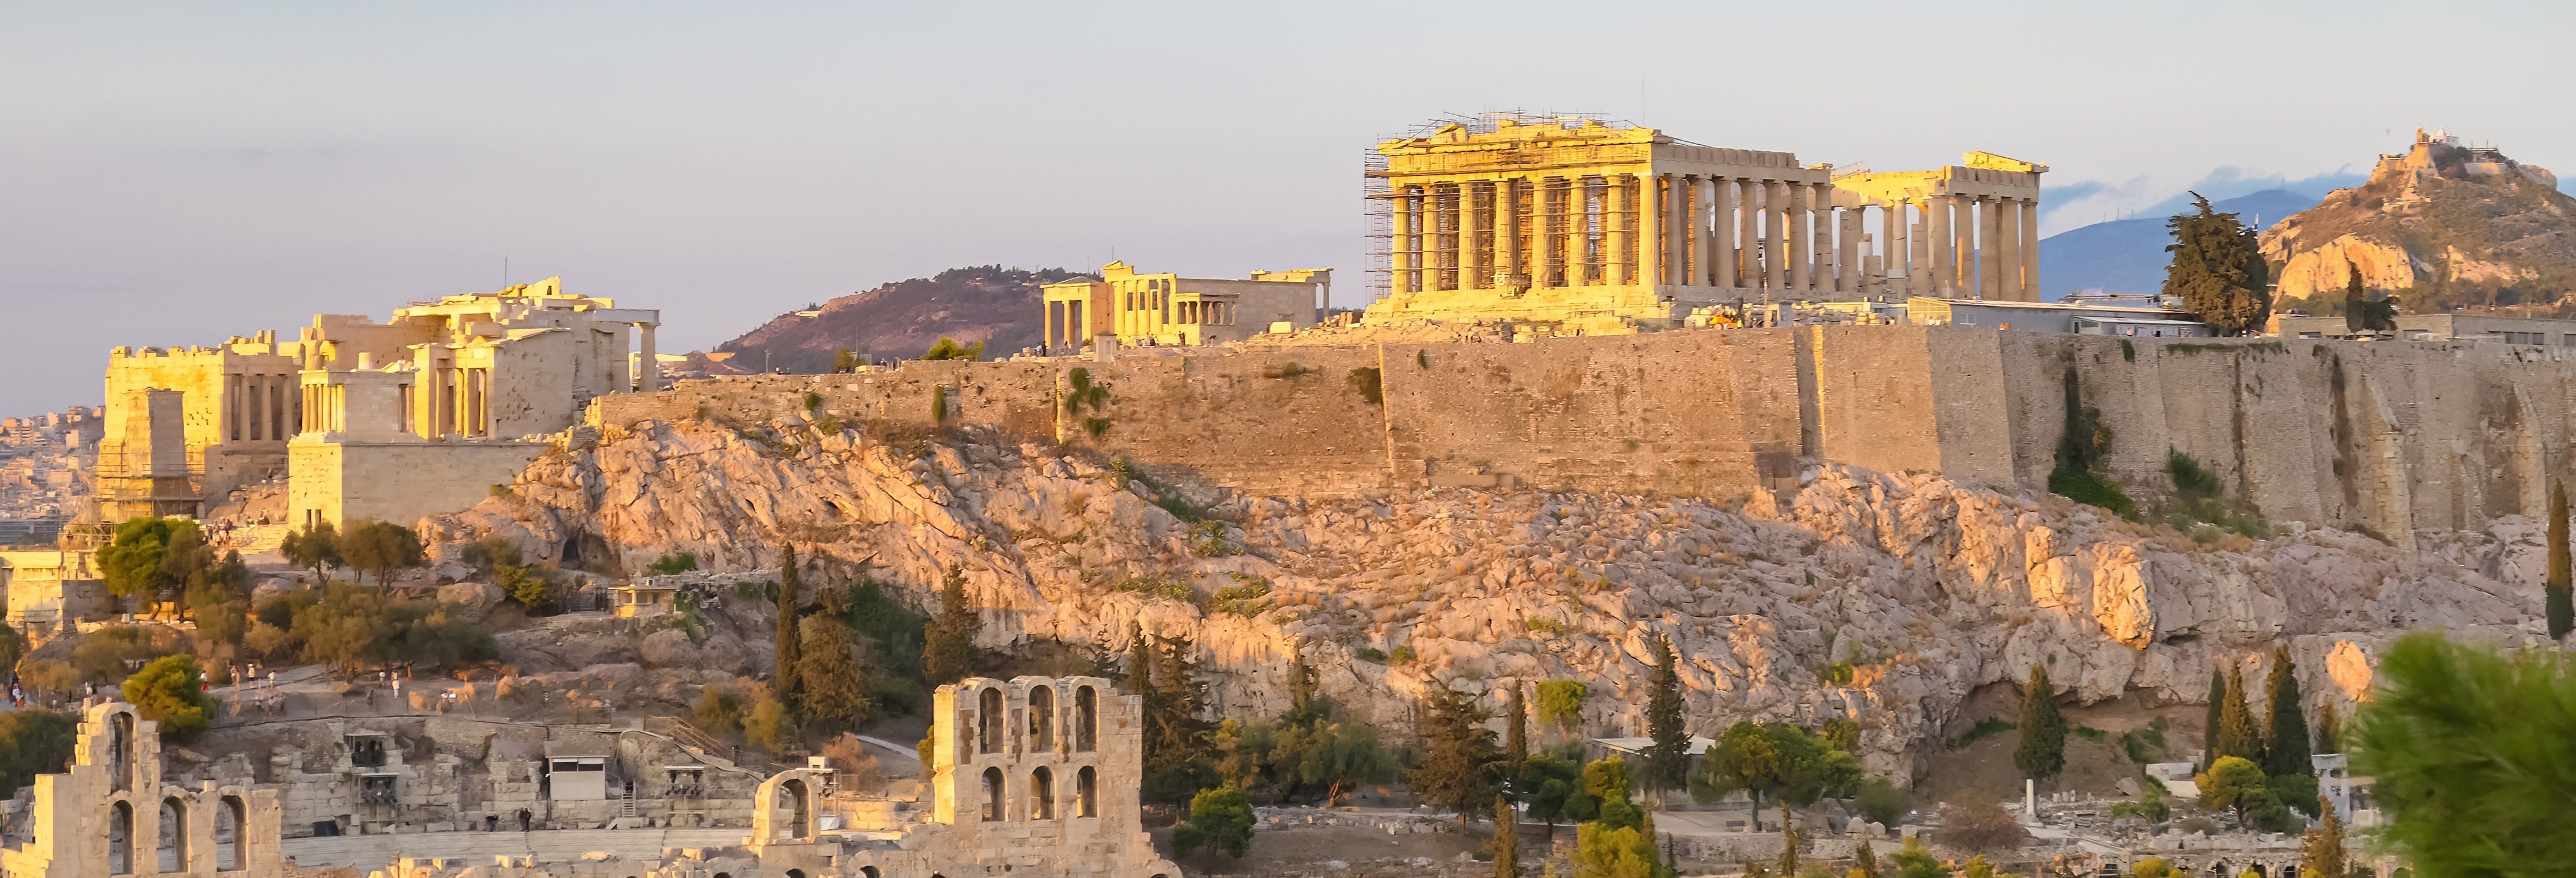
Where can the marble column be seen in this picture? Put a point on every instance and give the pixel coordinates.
(1549, 241)
(1801, 225)
(1679, 192)
(651, 378)
(1775, 240)
(2008, 250)
(1821, 209)
(1990, 250)
(1748, 237)
(1945, 259)
(2029, 224)
(1401, 251)
(1963, 246)
(1620, 200)
(1507, 232)
(1721, 230)
(1891, 246)
(1474, 232)
(1847, 263)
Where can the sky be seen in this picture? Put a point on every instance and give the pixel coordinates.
(176, 174)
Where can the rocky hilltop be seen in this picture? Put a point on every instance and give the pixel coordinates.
(2443, 224)
(986, 303)
(1927, 588)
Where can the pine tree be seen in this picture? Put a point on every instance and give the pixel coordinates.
(1668, 758)
(2237, 734)
(790, 598)
(2042, 753)
(1507, 842)
(948, 639)
(2217, 269)
(1516, 729)
(2321, 852)
(2287, 751)
(2328, 732)
(2209, 727)
(2559, 592)
(1864, 861)
(1458, 754)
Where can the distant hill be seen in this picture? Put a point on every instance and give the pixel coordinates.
(987, 303)
(2445, 225)
(2128, 256)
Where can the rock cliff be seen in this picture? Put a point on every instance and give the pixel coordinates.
(1928, 588)
(2443, 224)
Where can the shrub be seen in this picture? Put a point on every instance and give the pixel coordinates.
(1560, 702)
(2092, 490)
(532, 589)
(1166, 589)
(381, 548)
(171, 691)
(939, 404)
(1880, 801)
(1974, 820)
(491, 553)
(109, 654)
(1403, 655)
(1369, 654)
(948, 349)
(1220, 818)
(718, 710)
(813, 400)
(1289, 370)
(1208, 539)
(1543, 625)
(33, 742)
(1244, 598)
(671, 564)
(1370, 383)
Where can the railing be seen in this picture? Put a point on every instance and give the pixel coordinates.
(689, 736)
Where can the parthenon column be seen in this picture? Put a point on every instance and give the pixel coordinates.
(1551, 198)
(2029, 223)
(1990, 250)
(1775, 239)
(1945, 270)
(1401, 250)
(1748, 238)
(1507, 231)
(651, 378)
(1963, 246)
(1821, 209)
(1847, 264)
(1722, 233)
(1642, 205)
(2007, 260)
(1477, 231)
(1801, 225)
(1703, 238)
(1678, 194)
(1891, 246)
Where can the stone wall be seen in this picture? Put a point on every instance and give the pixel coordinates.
(2386, 437)
(344, 482)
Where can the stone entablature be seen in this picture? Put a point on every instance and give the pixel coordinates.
(108, 815)
(1567, 218)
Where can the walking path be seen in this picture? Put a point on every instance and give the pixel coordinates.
(546, 845)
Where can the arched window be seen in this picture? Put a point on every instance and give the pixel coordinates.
(1042, 794)
(120, 750)
(172, 846)
(1086, 793)
(1086, 719)
(228, 834)
(1041, 719)
(992, 795)
(988, 716)
(120, 839)
(794, 798)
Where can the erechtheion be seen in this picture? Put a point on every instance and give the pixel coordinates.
(419, 414)
(111, 814)
(1168, 309)
(1576, 219)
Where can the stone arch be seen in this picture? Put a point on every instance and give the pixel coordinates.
(120, 750)
(1086, 719)
(988, 719)
(171, 847)
(230, 821)
(1086, 792)
(795, 873)
(120, 838)
(797, 798)
(992, 794)
(868, 872)
(1042, 794)
(1041, 718)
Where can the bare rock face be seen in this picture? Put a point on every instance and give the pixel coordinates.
(2445, 223)
(477, 596)
(1925, 587)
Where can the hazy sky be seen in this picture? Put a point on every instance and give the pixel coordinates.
(176, 174)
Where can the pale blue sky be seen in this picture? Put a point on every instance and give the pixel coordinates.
(175, 174)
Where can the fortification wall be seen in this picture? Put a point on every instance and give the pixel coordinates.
(2386, 437)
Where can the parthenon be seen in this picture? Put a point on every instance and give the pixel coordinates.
(1557, 218)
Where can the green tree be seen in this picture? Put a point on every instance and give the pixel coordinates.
(1916, 861)
(1176, 741)
(1977, 867)
(2321, 852)
(1602, 851)
(2042, 752)
(35, 741)
(135, 562)
(948, 349)
(2218, 696)
(1777, 759)
(948, 642)
(2287, 751)
(2560, 601)
(1865, 861)
(172, 691)
(832, 676)
(2233, 783)
(2218, 270)
(2237, 733)
(1220, 819)
(1460, 761)
(381, 547)
(2469, 751)
(1606, 787)
(790, 638)
(1549, 783)
(2328, 733)
(1560, 704)
(1507, 840)
(1516, 729)
(1668, 758)
(314, 548)
(1338, 756)
(2154, 867)
(844, 361)
(767, 727)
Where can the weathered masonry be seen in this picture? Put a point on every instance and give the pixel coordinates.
(111, 814)
(1578, 219)
(1168, 309)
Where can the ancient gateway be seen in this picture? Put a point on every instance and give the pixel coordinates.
(111, 814)
(1581, 220)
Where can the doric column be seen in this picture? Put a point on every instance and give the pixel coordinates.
(1963, 247)
(1721, 233)
(1678, 192)
(1553, 195)
(1748, 240)
(1945, 260)
(1801, 229)
(1474, 232)
(1847, 264)
(651, 379)
(1820, 206)
(1401, 251)
(1507, 231)
(1621, 198)
(1775, 240)
(2008, 246)
(2029, 211)
(1891, 246)
(1990, 250)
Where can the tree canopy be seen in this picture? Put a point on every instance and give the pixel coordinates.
(1460, 761)
(2469, 748)
(1777, 759)
(2042, 751)
(381, 547)
(1220, 819)
(1668, 758)
(171, 691)
(2218, 270)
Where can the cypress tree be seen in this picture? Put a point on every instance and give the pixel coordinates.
(1864, 861)
(786, 679)
(2321, 852)
(2327, 730)
(948, 639)
(2560, 600)
(1516, 729)
(2237, 734)
(1668, 759)
(2288, 749)
(1458, 754)
(2218, 270)
(1507, 842)
(2042, 753)
(2209, 728)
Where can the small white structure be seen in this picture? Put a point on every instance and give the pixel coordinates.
(575, 774)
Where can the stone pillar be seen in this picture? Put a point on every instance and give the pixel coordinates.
(1775, 241)
(1821, 208)
(1721, 233)
(1891, 246)
(1847, 273)
(1990, 249)
(1748, 237)
(2029, 211)
(1549, 240)
(1678, 199)
(1473, 271)
(2008, 250)
(1620, 205)
(651, 377)
(1402, 249)
(1963, 248)
(1801, 231)
(1507, 231)
(1945, 271)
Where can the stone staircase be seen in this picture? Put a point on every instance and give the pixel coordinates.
(478, 848)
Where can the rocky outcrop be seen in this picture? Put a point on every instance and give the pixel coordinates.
(2446, 224)
(1927, 588)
